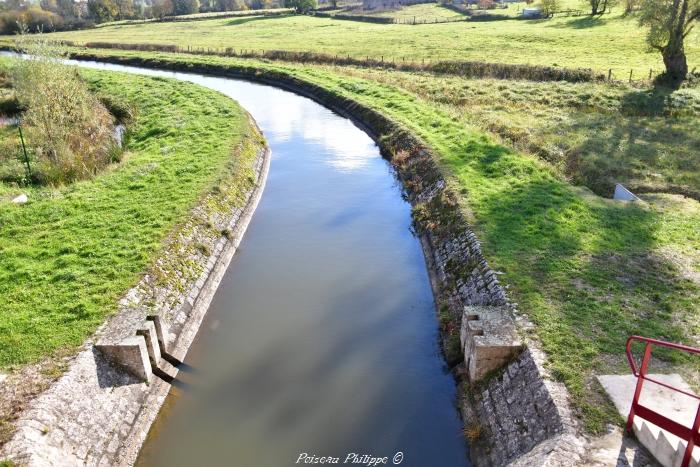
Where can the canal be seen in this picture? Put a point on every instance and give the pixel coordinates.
(322, 337)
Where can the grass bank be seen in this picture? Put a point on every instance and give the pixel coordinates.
(587, 271)
(70, 253)
(592, 134)
(612, 41)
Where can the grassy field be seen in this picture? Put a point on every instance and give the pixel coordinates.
(595, 135)
(587, 271)
(199, 16)
(70, 253)
(612, 41)
(421, 12)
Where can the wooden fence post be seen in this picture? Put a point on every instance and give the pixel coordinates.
(630, 76)
(609, 74)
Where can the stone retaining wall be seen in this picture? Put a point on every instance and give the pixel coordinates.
(98, 414)
(514, 412)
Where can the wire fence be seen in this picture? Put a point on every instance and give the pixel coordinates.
(464, 68)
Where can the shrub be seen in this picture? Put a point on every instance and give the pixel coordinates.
(185, 7)
(301, 6)
(67, 128)
(142, 47)
(34, 19)
(549, 7)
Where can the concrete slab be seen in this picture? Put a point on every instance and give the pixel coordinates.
(616, 449)
(131, 354)
(669, 403)
(623, 194)
(667, 448)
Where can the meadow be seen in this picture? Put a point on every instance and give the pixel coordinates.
(586, 270)
(422, 12)
(612, 41)
(592, 134)
(71, 252)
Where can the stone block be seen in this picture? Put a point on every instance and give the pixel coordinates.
(148, 331)
(159, 325)
(130, 354)
(489, 338)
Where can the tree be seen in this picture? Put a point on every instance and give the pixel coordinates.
(103, 10)
(300, 6)
(15, 4)
(598, 7)
(67, 8)
(549, 7)
(670, 22)
(125, 9)
(185, 7)
(631, 5)
(162, 8)
(49, 5)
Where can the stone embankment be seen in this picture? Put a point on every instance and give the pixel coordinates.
(514, 411)
(100, 410)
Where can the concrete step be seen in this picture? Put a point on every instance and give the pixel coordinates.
(667, 448)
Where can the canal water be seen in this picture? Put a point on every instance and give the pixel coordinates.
(322, 338)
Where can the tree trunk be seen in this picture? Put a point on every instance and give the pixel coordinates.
(674, 52)
(676, 63)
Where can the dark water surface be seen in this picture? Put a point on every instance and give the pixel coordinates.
(322, 337)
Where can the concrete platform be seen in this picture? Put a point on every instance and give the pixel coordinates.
(667, 448)
(671, 404)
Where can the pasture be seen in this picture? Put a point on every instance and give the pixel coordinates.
(612, 41)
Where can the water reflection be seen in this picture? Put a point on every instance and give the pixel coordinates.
(288, 117)
(322, 337)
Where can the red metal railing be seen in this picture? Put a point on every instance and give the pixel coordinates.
(691, 435)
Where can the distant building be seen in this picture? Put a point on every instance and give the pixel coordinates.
(532, 13)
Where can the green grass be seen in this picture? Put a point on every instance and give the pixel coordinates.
(421, 12)
(612, 41)
(595, 135)
(68, 255)
(587, 271)
(199, 16)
